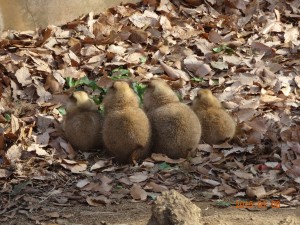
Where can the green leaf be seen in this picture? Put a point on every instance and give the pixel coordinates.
(119, 73)
(218, 49)
(70, 82)
(62, 111)
(19, 187)
(139, 89)
(164, 166)
(96, 99)
(119, 77)
(224, 48)
(179, 96)
(228, 50)
(197, 79)
(119, 186)
(143, 59)
(86, 81)
(7, 117)
(216, 82)
(82, 81)
(153, 197)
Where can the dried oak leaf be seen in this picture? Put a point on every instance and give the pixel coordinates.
(14, 153)
(138, 177)
(73, 166)
(99, 200)
(156, 187)
(174, 73)
(99, 164)
(23, 76)
(5, 173)
(158, 157)
(138, 193)
(258, 192)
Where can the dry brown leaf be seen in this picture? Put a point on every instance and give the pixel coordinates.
(163, 158)
(138, 193)
(23, 76)
(5, 173)
(82, 183)
(96, 201)
(15, 126)
(14, 153)
(138, 177)
(174, 73)
(243, 175)
(74, 167)
(155, 187)
(258, 192)
(99, 164)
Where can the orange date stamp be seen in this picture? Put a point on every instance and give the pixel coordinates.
(262, 204)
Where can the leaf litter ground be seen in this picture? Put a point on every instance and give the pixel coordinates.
(246, 52)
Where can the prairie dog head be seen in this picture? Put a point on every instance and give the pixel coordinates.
(157, 94)
(120, 96)
(80, 100)
(205, 99)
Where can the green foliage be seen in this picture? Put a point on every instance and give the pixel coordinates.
(223, 48)
(62, 110)
(216, 81)
(119, 74)
(164, 166)
(119, 186)
(139, 89)
(143, 59)
(153, 197)
(197, 79)
(85, 81)
(82, 81)
(96, 99)
(7, 117)
(179, 96)
(21, 186)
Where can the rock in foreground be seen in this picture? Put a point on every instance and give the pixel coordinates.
(172, 208)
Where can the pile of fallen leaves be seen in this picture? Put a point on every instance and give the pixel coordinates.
(246, 52)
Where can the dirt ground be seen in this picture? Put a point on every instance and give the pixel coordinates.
(138, 213)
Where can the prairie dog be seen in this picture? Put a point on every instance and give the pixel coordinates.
(217, 125)
(83, 124)
(176, 129)
(126, 129)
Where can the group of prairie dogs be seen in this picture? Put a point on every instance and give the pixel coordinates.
(164, 125)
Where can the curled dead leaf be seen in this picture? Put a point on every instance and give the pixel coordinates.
(258, 192)
(99, 200)
(174, 73)
(138, 193)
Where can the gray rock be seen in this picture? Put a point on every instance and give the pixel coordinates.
(172, 208)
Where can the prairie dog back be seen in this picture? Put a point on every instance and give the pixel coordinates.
(217, 125)
(83, 124)
(176, 129)
(126, 130)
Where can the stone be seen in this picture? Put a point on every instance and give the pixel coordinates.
(172, 208)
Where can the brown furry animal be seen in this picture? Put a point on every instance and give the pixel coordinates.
(217, 125)
(83, 123)
(176, 129)
(126, 130)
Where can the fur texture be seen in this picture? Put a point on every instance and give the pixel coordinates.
(126, 130)
(217, 125)
(176, 129)
(83, 124)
